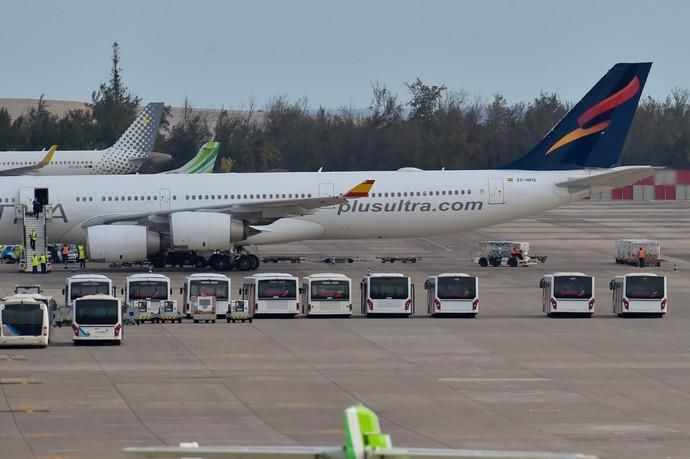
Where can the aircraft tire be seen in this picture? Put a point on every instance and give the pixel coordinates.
(158, 261)
(200, 262)
(256, 261)
(244, 263)
(220, 262)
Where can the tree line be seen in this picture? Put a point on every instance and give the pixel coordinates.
(430, 129)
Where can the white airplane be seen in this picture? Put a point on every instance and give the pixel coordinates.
(132, 217)
(363, 440)
(126, 156)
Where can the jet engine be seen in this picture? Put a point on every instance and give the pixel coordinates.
(120, 243)
(204, 230)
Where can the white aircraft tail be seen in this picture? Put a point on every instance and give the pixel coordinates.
(141, 134)
(135, 145)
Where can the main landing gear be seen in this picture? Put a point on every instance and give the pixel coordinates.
(241, 261)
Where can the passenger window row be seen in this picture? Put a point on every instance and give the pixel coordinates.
(420, 193)
(202, 197)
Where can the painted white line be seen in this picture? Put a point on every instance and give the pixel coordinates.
(437, 244)
(493, 379)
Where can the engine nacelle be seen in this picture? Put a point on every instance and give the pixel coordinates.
(204, 230)
(120, 243)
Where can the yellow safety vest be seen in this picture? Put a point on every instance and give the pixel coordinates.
(34, 260)
(33, 235)
(44, 260)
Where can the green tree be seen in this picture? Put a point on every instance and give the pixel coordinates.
(75, 131)
(113, 106)
(187, 136)
(37, 129)
(6, 130)
(384, 107)
(425, 99)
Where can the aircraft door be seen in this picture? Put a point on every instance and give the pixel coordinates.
(496, 191)
(326, 190)
(26, 197)
(164, 197)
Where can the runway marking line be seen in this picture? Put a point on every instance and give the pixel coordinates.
(266, 378)
(12, 357)
(298, 405)
(44, 435)
(19, 380)
(237, 355)
(494, 379)
(25, 411)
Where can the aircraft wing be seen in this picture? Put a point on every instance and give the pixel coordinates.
(256, 212)
(24, 170)
(429, 453)
(249, 452)
(300, 452)
(609, 178)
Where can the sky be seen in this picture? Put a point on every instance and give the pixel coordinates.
(223, 53)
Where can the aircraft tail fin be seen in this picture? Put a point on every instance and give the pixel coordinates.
(593, 132)
(202, 163)
(140, 136)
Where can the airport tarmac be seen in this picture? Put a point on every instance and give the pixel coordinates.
(510, 379)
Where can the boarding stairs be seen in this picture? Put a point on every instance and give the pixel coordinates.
(31, 223)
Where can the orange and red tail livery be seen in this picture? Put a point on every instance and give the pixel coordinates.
(593, 132)
(361, 190)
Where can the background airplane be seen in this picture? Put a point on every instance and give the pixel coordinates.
(126, 156)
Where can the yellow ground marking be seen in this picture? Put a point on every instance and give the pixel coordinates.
(266, 378)
(298, 405)
(237, 355)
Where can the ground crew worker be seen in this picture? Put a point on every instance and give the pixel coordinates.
(44, 263)
(18, 252)
(32, 239)
(82, 256)
(65, 254)
(516, 252)
(37, 208)
(34, 263)
(641, 255)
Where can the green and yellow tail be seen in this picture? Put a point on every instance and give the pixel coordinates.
(202, 163)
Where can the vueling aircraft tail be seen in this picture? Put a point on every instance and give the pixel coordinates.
(141, 134)
(202, 163)
(592, 133)
(134, 146)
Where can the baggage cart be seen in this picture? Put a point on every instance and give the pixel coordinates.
(145, 311)
(204, 309)
(168, 312)
(499, 253)
(239, 312)
(627, 251)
